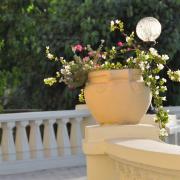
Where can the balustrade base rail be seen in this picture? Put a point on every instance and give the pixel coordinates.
(21, 166)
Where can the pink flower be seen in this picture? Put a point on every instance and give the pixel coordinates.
(71, 87)
(129, 49)
(96, 65)
(120, 44)
(77, 48)
(100, 55)
(86, 58)
(91, 53)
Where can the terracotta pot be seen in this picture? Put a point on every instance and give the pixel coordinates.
(117, 96)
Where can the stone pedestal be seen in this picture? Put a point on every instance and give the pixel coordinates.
(99, 165)
(126, 152)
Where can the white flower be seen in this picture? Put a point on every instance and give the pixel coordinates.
(72, 62)
(160, 66)
(142, 52)
(50, 56)
(117, 21)
(178, 72)
(174, 75)
(67, 68)
(141, 65)
(150, 76)
(113, 48)
(153, 51)
(129, 59)
(134, 60)
(164, 98)
(148, 83)
(145, 62)
(164, 88)
(128, 39)
(91, 62)
(172, 78)
(112, 23)
(157, 92)
(102, 40)
(63, 71)
(103, 56)
(163, 79)
(146, 56)
(68, 73)
(147, 66)
(163, 132)
(165, 57)
(156, 77)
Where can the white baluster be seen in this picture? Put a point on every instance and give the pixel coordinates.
(176, 136)
(35, 140)
(76, 136)
(0, 147)
(63, 141)
(22, 146)
(0, 155)
(49, 140)
(8, 146)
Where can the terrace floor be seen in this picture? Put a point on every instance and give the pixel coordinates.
(75, 173)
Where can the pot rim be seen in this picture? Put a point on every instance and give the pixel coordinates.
(138, 71)
(107, 70)
(106, 75)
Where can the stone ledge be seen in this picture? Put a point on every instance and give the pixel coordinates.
(145, 151)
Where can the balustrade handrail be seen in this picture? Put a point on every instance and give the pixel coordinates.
(58, 114)
(173, 109)
(43, 115)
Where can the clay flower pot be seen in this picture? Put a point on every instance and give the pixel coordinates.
(117, 96)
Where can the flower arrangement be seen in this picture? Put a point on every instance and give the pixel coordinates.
(128, 53)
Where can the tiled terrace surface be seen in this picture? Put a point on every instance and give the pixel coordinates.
(76, 173)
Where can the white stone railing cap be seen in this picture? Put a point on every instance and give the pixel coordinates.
(43, 115)
(145, 151)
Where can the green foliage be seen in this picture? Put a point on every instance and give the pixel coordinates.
(9, 82)
(27, 27)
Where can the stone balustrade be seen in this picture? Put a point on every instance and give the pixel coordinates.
(41, 140)
(51, 139)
